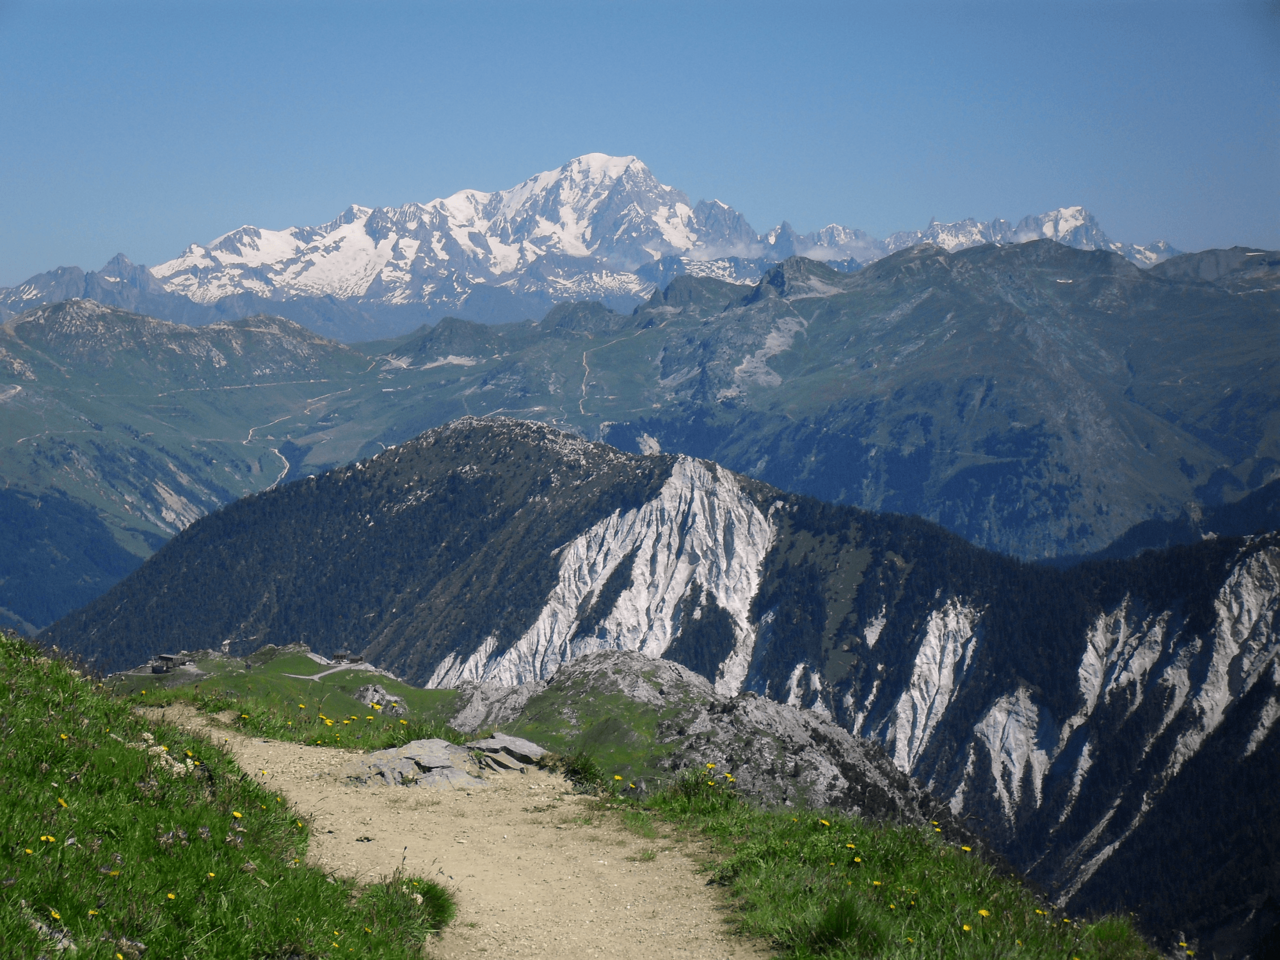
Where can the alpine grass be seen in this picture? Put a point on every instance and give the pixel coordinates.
(123, 837)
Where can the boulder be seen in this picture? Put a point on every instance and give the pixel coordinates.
(372, 694)
(503, 748)
(422, 763)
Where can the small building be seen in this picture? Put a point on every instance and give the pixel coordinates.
(342, 656)
(168, 661)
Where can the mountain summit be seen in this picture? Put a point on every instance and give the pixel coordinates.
(598, 228)
(592, 229)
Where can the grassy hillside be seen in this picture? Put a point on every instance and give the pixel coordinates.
(815, 883)
(123, 837)
(271, 694)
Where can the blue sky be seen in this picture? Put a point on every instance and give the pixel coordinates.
(142, 127)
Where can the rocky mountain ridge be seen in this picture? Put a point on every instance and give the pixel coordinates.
(597, 228)
(1071, 713)
(1033, 398)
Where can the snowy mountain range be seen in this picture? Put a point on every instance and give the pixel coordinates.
(578, 232)
(598, 228)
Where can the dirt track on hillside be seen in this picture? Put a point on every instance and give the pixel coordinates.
(531, 877)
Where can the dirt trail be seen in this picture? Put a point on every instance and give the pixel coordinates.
(531, 878)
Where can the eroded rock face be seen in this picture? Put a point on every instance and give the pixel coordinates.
(422, 763)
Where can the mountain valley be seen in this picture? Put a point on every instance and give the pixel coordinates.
(1035, 399)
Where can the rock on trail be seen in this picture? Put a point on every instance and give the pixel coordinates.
(537, 871)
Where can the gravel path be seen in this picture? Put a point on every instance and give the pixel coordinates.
(536, 870)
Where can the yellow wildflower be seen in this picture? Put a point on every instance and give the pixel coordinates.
(172, 897)
(62, 803)
(967, 849)
(237, 814)
(824, 823)
(211, 876)
(967, 928)
(984, 913)
(55, 914)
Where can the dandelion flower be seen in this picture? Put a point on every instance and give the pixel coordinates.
(937, 829)
(892, 907)
(190, 754)
(211, 876)
(63, 736)
(850, 845)
(55, 914)
(48, 839)
(405, 722)
(616, 777)
(824, 823)
(29, 850)
(934, 822)
(237, 814)
(875, 883)
(93, 913)
(368, 718)
(172, 897)
(967, 928)
(62, 803)
(967, 849)
(302, 706)
(857, 859)
(984, 913)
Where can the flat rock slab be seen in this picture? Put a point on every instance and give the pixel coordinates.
(422, 763)
(522, 751)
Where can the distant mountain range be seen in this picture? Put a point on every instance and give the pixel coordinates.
(1111, 728)
(1033, 398)
(598, 228)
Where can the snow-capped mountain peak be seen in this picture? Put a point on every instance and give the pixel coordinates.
(598, 227)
